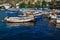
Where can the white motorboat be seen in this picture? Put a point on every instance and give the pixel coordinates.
(19, 19)
(53, 16)
(58, 19)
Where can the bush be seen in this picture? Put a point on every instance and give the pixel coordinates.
(22, 5)
(2, 7)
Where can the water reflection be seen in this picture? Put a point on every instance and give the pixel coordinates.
(20, 24)
(52, 23)
(57, 25)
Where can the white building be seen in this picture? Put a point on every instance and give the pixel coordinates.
(48, 0)
(6, 5)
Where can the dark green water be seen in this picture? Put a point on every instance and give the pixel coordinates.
(40, 30)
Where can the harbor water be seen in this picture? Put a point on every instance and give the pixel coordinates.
(42, 29)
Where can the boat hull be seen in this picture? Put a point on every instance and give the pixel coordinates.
(19, 20)
(38, 17)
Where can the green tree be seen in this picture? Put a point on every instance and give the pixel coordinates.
(22, 5)
(29, 5)
(44, 4)
(6, 1)
(37, 4)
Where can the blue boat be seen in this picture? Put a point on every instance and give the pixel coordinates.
(38, 17)
(36, 12)
(12, 13)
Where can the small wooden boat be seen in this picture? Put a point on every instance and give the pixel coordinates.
(19, 19)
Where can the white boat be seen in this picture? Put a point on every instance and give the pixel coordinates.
(19, 19)
(58, 19)
(53, 16)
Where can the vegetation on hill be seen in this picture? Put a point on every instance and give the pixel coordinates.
(29, 5)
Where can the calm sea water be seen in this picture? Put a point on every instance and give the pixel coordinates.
(39, 30)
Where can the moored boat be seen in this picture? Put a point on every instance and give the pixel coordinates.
(58, 19)
(37, 13)
(53, 14)
(13, 16)
(19, 19)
